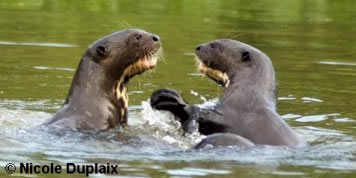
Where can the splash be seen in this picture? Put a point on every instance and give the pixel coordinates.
(162, 125)
(327, 148)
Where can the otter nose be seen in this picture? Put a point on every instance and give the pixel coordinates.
(198, 48)
(155, 38)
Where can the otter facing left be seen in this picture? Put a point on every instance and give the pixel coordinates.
(246, 112)
(97, 99)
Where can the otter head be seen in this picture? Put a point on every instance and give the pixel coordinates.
(125, 53)
(120, 56)
(226, 60)
(107, 66)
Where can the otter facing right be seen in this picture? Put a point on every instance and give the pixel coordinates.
(246, 112)
(98, 98)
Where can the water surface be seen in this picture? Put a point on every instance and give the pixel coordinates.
(311, 43)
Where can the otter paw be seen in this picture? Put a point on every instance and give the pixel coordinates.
(167, 99)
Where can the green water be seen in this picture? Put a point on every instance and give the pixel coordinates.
(312, 44)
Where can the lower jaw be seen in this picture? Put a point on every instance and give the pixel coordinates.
(148, 63)
(216, 75)
(202, 68)
(141, 66)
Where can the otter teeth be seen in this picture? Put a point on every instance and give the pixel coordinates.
(153, 59)
(215, 74)
(149, 61)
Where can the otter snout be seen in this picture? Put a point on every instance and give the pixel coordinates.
(205, 52)
(156, 40)
(211, 45)
(150, 38)
(153, 37)
(200, 50)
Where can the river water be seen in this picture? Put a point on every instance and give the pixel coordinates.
(312, 45)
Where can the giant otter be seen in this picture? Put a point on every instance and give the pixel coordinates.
(247, 106)
(98, 99)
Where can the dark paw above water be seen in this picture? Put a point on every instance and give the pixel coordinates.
(172, 101)
(167, 99)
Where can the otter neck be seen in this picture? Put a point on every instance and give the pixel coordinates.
(91, 85)
(253, 83)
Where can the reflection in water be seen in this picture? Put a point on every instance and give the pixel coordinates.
(311, 44)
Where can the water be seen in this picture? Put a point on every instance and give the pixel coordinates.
(311, 44)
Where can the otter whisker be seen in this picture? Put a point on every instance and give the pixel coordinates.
(140, 68)
(154, 56)
(139, 84)
(149, 54)
(160, 56)
(123, 23)
(148, 73)
(234, 35)
(197, 62)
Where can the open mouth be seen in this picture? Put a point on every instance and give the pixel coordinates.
(216, 75)
(147, 62)
(142, 64)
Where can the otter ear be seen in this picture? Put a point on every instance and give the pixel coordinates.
(101, 50)
(245, 56)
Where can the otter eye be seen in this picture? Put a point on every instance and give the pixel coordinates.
(245, 56)
(100, 50)
(212, 45)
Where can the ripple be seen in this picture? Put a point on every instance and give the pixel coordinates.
(316, 118)
(53, 68)
(60, 45)
(189, 54)
(345, 120)
(309, 99)
(337, 63)
(285, 173)
(287, 98)
(291, 116)
(31, 105)
(195, 74)
(196, 172)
